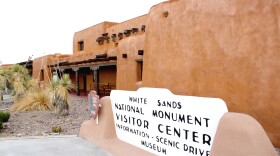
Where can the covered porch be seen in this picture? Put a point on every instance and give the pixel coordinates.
(92, 75)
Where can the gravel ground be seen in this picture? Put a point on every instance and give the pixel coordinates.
(40, 123)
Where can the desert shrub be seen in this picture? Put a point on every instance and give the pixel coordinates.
(17, 79)
(34, 98)
(1, 125)
(33, 85)
(19, 90)
(56, 129)
(4, 116)
(33, 101)
(29, 95)
(2, 82)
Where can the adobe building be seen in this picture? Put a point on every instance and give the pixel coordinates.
(40, 69)
(97, 52)
(224, 49)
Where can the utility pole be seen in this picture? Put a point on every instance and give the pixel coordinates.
(29, 58)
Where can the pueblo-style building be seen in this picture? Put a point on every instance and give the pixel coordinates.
(98, 53)
(224, 49)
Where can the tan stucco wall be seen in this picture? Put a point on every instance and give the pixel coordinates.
(81, 80)
(89, 36)
(41, 63)
(127, 67)
(107, 74)
(136, 22)
(90, 82)
(218, 48)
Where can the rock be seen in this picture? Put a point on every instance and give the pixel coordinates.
(6, 125)
(19, 135)
(44, 134)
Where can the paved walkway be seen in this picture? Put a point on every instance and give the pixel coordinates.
(49, 146)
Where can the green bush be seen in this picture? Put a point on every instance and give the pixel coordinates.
(4, 116)
(1, 125)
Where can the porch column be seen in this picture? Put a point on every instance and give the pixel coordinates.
(61, 70)
(76, 69)
(95, 78)
(85, 81)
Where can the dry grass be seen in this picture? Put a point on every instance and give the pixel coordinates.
(33, 85)
(33, 101)
(2, 82)
(19, 90)
(29, 95)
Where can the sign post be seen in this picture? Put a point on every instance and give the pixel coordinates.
(166, 124)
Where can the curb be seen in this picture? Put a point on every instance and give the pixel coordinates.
(38, 137)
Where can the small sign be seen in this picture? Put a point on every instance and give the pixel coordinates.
(162, 123)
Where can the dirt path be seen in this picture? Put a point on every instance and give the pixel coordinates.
(38, 123)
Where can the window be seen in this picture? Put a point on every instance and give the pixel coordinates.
(81, 45)
(139, 69)
(42, 75)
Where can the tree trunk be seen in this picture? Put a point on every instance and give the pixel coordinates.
(61, 105)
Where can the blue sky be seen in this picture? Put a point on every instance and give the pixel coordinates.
(37, 27)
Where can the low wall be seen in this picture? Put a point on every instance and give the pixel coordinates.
(103, 134)
(240, 134)
(237, 134)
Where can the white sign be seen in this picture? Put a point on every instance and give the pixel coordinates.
(166, 124)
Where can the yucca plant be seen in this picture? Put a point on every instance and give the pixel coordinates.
(22, 71)
(27, 92)
(28, 95)
(4, 79)
(18, 72)
(17, 78)
(59, 95)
